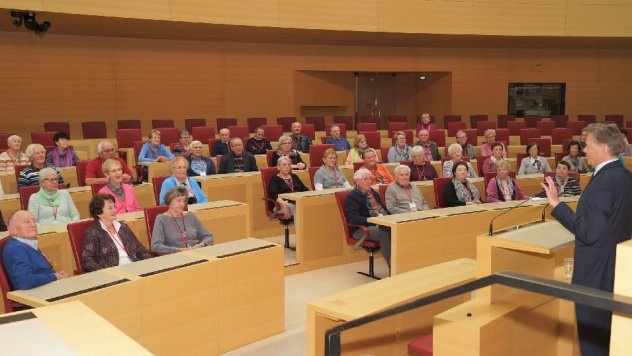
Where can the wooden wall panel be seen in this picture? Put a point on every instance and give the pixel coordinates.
(357, 15)
(254, 13)
(434, 95)
(520, 18)
(449, 17)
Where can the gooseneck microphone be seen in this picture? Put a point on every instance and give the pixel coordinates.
(544, 210)
(491, 223)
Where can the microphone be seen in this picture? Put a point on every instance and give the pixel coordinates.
(544, 210)
(491, 223)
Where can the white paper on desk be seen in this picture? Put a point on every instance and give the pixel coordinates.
(31, 337)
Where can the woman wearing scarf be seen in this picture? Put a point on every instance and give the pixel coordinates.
(285, 150)
(503, 187)
(62, 155)
(124, 197)
(459, 190)
(51, 205)
(400, 150)
(533, 163)
(574, 158)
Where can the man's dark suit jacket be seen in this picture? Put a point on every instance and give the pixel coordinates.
(227, 165)
(356, 208)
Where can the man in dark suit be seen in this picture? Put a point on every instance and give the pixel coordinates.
(602, 220)
(237, 160)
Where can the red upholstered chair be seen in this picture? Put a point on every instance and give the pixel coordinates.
(189, 124)
(574, 175)
(616, 118)
(373, 119)
(273, 132)
(439, 187)
(455, 126)
(150, 218)
(77, 234)
(286, 122)
(202, 133)
(483, 126)
(504, 119)
(438, 136)
(269, 154)
(343, 129)
(421, 346)
(357, 165)
(531, 120)
(398, 118)
(317, 121)
(545, 127)
(346, 120)
(5, 283)
(162, 123)
(382, 191)
(3, 140)
(125, 138)
(266, 176)
(81, 172)
(576, 126)
(94, 129)
(368, 245)
(254, 122)
(57, 126)
(26, 192)
(366, 127)
(502, 135)
(223, 122)
(323, 139)
(515, 127)
(96, 187)
(492, 175)
(628, 124)
(588, 119)
(396, 126)
(450, 118)
(312, 172)
(544, 144)
(558, 135)
(157, 183)
(316, 154)
(384, 153)
(168, 135)
(479, 165)
(128, 124)
(559, 156)
(238, 131)
(138, 145)
(559, 120)
(526, 134)
(472, 138)
(43, 138)
(475, 119)
(373, 139)
(309, 130)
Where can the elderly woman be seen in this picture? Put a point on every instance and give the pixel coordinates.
(329, 175)
(403, 197)
(199, 165)
(425, 123)
(51, 205)
(183, 147)
(123, 195)
(14, 155)
(178, 230)
(258, 144)
(574, 158)
(489, 166)
(109, 243)
(179, 178)
(154, 151)
(285, 150)
(400, 150)
(355, 153)
(567, 186)
(533, 163)
(420, 168)
(30, 175)
(459, 190)
(503, 187)
(487, 149)
(379, 173)
(285, 182)
(455, 151)
(62, 155)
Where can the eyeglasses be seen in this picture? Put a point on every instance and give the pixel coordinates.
(50, 179)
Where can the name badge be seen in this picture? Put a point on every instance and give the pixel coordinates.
(203, 173)
(412, 206)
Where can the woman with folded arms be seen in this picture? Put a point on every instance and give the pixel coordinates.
(574, 158)
(329, 175)
(109, 243)
(503, 187)
(285, 182)
(125, 200)
(459, 190)
(176, 229)
(51, 205)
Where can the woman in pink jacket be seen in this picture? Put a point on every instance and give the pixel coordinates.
(503, 187)
(125, 199)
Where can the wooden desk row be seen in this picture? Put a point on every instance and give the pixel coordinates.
(204, 301)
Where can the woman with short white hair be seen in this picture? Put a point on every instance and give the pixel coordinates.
(14, 155)
(455, 151)
(51, 205)
(30, 175)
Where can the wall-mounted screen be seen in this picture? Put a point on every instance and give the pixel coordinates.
(544, 99)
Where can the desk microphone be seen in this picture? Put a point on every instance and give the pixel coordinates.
(491, 223)
(544, 210)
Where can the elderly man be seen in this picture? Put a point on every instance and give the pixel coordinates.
(183, 147)
(468, 149)
(222, 147)
(340, 143)
(300, 142)
(237, 160)
(403, 197)
(431, 149)
(362, 203)
(198, 164)
(25, 265)
(258, 144)
(94, 170)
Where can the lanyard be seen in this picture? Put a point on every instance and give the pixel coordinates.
(469, 191)
(183, 235)
(118, 241)
(335, 177)
(409, 194)
(55, 212)
(420, 175)
(289, 183)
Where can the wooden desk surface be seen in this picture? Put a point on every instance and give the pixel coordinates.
(156, 169)
(544, 238)
(229, 248)
(154, 265)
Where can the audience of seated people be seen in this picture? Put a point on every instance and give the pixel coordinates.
(123, 194)
(567, 186)
(62, 155)
(237, 160)
(222, 146)
(403, 197)
(489, 166)
(329, 175)
(533, 163)
(431, 149)
(468, 150)
(379, 173)
(455, 151)
(575, 159)
(13, 156)
(285, 182)
(425, 123)
(503, 187)
(355, 153)
(30, 175)
(488, 147)
(339, 142)
(285, 150)
(51, 205)
(177, 229)
(460, 191)
(179, 178)
(199, 165)
(362, 203)
(421, 168)
(300, 142)
(258, 144)
(94, 168)
(400, 151)
(183, 147)
(109, 243)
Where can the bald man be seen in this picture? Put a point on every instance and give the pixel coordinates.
(25, 265)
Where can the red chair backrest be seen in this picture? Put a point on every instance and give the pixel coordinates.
(519, 157)
(81, 172)
(138, 145)
(545, 127)
(162, 123)
(223, 122)
(373, 139)
(157, 183)
(312, 173)
(357, 165)
(266, 176)
(526, 134)
(382, 191)
(26, 192)
(479, 164)
(3, 140)
(128, 124)
(254, 122)
(94, 129)
(273, 132)
(57, 126)
(366, 127)
(96, 187)
(483, 126)
(455, 126)
(476, 119)
(77, 235)
(439, 187)
(202, 133)
(502, 135)
(238, 131)
(5, 283)
(438, 136)
(343, 129)
(492, 175)
(515, 127)
(616, 118)
(150, 218)
(531, 120)
(168, 135)
(211, 144)
(341, 198)
(308, 130)
(396, 126)
(574, 175)
(317, 121)
(285, 122)
(588, 119)
(450, 118)
(346, 120)
(558, 135)
(576, 126)
(43, 138)
(125, 138)
(559, 120)
(316, 154)
(472, 137)
(544, 144)
(384, 153)
(269, 154)
(189, 124)
(371, 119)
(397, 118)
(504, 119)
(559, 156)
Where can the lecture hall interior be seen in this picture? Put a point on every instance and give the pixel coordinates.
(529, 69)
